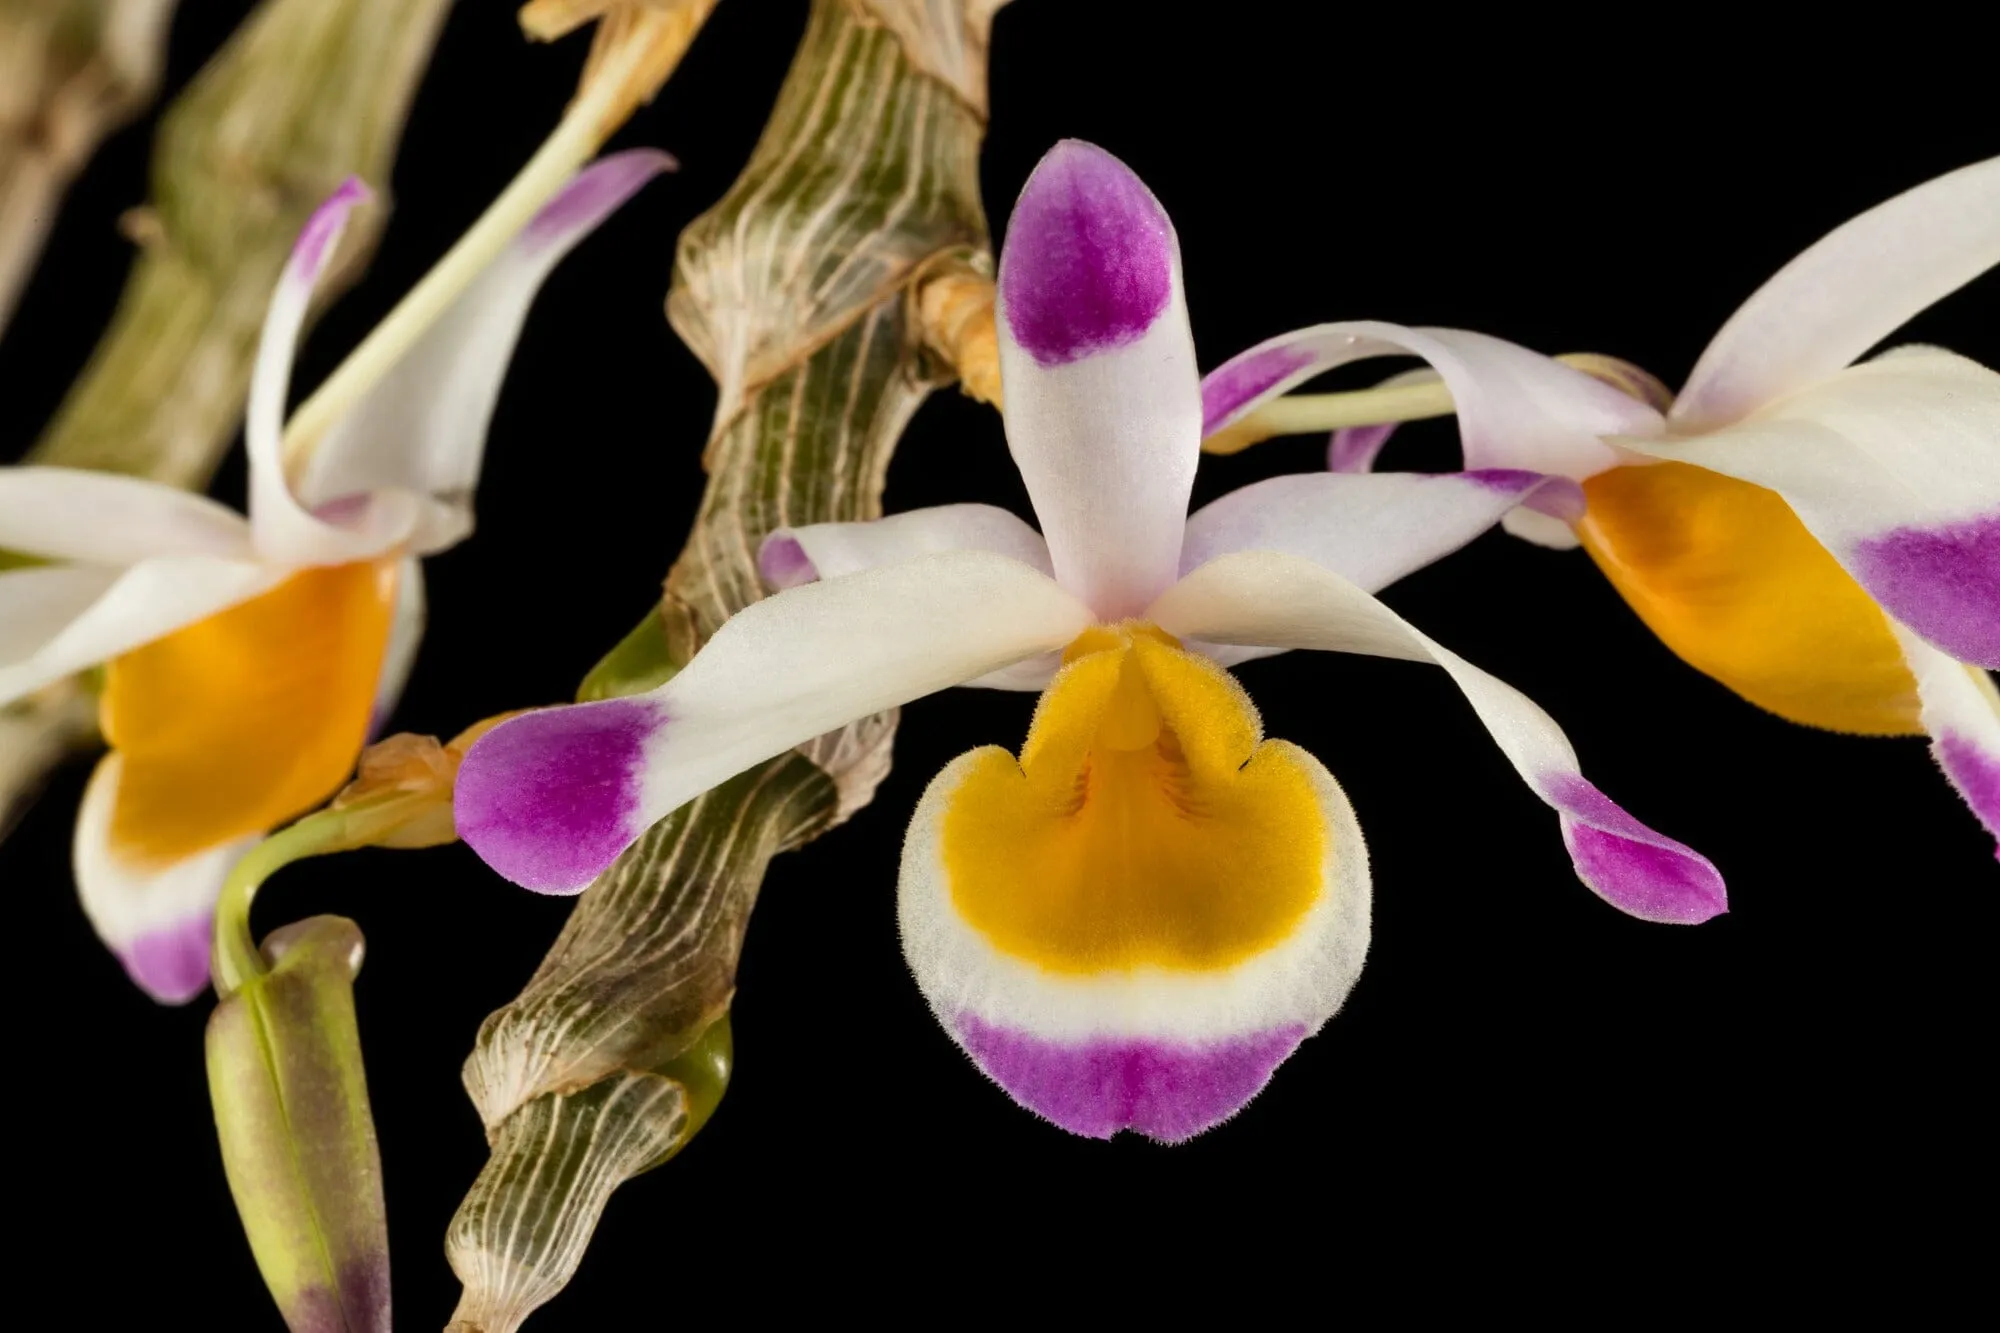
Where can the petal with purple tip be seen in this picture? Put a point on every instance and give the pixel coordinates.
(550, 799)
(1103, 402)
(157, 919)
(1627, 864)
(1891, 465)
(1266, 598)
(422, 429)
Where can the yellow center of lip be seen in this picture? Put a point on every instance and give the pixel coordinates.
(237, 723)
(1146, 822)
(1731, 581)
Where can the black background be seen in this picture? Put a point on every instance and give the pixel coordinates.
(1520, 1065)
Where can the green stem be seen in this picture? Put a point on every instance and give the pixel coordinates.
(236, 958)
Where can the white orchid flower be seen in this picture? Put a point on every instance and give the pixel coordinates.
(1821, 536)
(247, 659)
(1135, 922)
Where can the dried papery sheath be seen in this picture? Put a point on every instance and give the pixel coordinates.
(306, 94)
(71, 71)
(799, 291)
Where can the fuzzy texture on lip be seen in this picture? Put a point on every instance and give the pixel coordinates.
(1089, 258)
(1164, 1090)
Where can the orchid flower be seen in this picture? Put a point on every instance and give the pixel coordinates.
(1821, 536)
(1135, 922)
(246, 659)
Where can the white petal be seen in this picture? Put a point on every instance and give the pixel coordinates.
(285, 533)
(151, 599)
(1372, 528)
(1262, 597)
(37, 603)
(422, 428)
(552, 798)
(1516, 408)
(406, 635)
(1961, 711)
(1848, 292)
(1894, 464)
(1103, 402)
(62, 513)
(791, 556)
(158, 919)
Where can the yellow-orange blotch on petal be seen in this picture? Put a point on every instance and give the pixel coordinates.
(1146, 823)
(241, 721)
(1731, 581)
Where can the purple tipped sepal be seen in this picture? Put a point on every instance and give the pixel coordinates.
(1636, 870)
(551, 798)
(1168, 1091)
(1975, 772)
(1089, 261)
(1943, 582)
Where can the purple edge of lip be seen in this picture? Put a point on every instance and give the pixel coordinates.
(550, 799)
(1943, 582)
(1088, 261)
(1632, 867)
(1976, 774)
(171, 963)
(1165, 1090)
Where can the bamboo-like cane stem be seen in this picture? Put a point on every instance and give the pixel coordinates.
(71, 71)
(799, 292)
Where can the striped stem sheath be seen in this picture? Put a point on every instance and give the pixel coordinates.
(796, 292)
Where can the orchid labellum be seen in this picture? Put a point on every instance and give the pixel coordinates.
(1132, 923)
(247, 659)
(1820, 535)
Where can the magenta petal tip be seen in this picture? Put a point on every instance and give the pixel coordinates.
(550, 799)
(1167, 1091)
(783, 563)
(595, 193)
(1636, 870)
(171, 963)
(1089, 257)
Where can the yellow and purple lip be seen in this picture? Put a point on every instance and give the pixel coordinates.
(1131, 926)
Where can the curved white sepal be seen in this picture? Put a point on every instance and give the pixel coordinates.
(1516, 408)
(1372, 528)
(157, 919)
(1282, 601)
(422, 429)
(550, 799)
(1851, 290)
(151, 599)
(102, 518)
(1166, 1053)
(791, 556)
